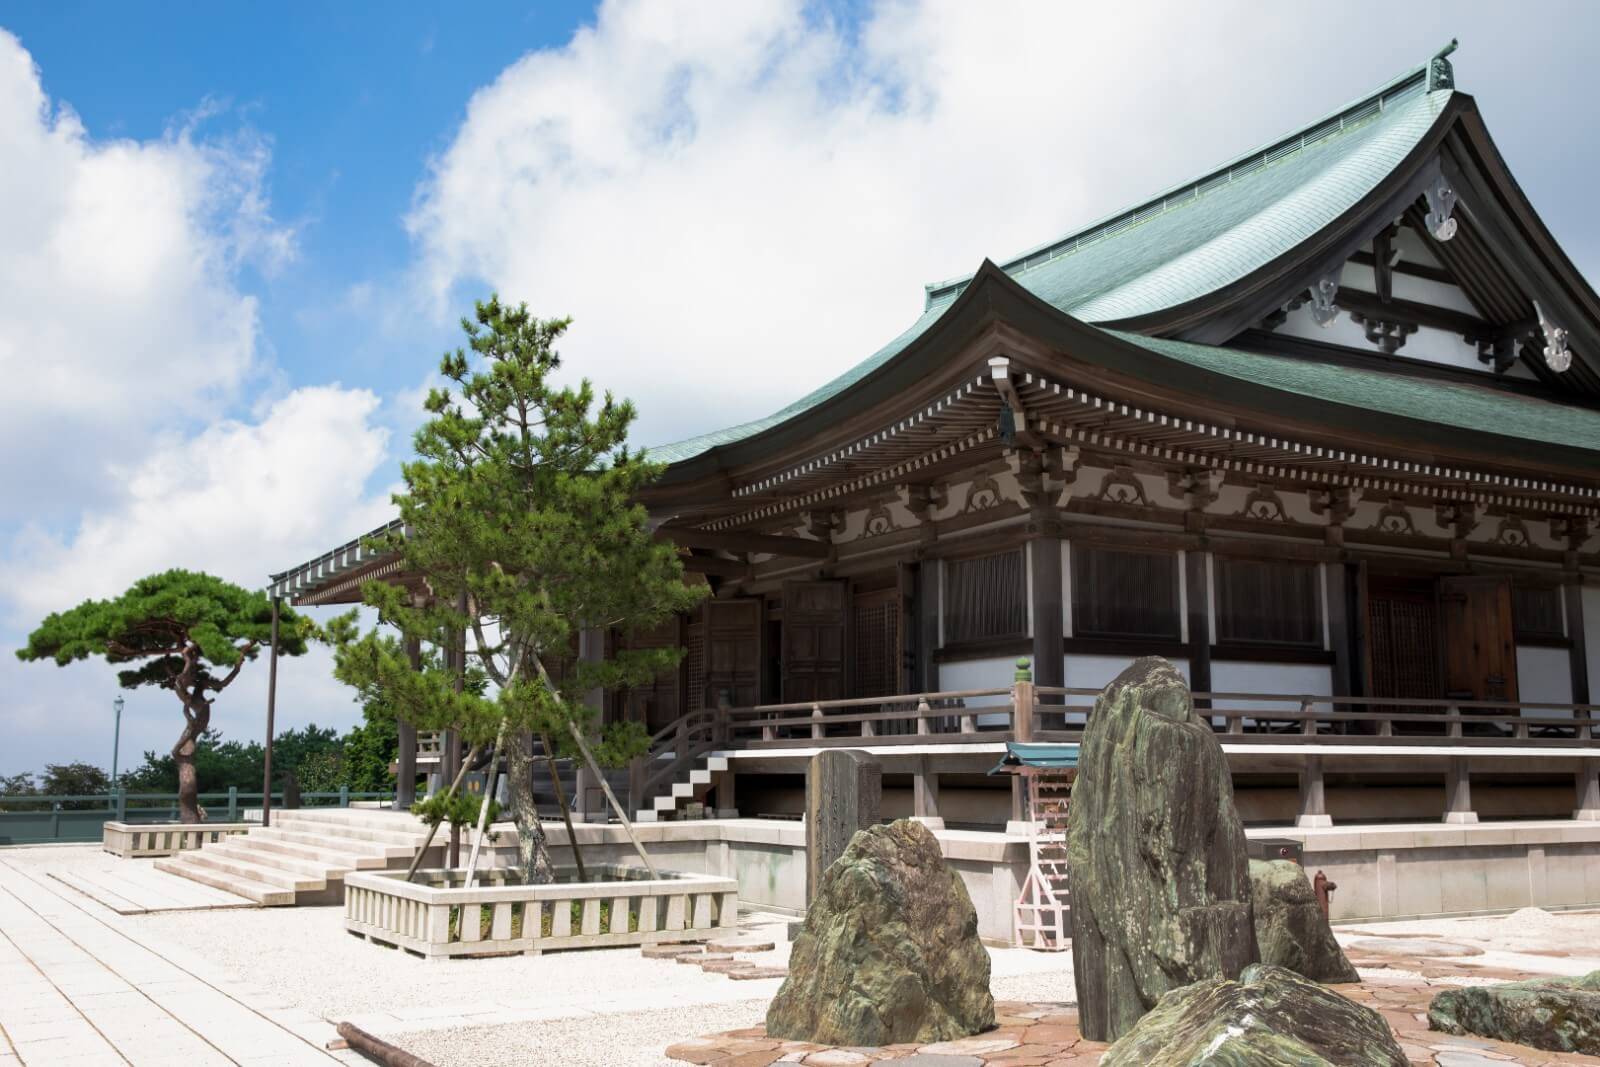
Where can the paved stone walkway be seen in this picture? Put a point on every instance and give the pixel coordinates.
(75, 992)
(1046, 1035)
(129, 888)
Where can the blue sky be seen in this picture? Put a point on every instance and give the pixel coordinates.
(235, 238)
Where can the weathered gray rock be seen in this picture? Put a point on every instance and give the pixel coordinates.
(890, 950)
(1271, 1017)
(844, 793)
(1156, 853)
(1555, 1014)
(1291, 931)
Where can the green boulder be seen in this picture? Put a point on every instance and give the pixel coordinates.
(1555, 1014)
(890, 950)
(1156, 853)
(1290, 928)
(1270, 1017)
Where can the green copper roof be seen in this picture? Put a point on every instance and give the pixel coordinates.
(1188, 241)
(1456, 405)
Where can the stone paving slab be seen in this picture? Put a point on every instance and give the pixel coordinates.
(135, 887)
(1047, 1035)
(79, 991)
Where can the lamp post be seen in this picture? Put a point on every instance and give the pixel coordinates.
(116, 738)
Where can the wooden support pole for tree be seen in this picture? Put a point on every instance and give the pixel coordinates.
(379, 1049)
(483, 808)
(561, 802)
(416, 861)
(588, 757)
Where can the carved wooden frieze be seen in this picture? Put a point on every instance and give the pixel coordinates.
(1334, 504)
(983, 493)
(1122, 486)
(1513, 531)
(1395, 518)
(1460, 517)
(1263, 504)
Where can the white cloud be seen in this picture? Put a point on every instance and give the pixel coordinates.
(737, 201)
(235, 500)
(119, 309)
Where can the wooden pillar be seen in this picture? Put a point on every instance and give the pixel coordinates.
(1313, 799)
(1579, 650)
(927, 625)
(272, 707)
(925, 794)
(909, 677)
(405, 775)
(1198, 594)
(1458, 792)
(727, 794)
(1336, 598)
(1044, 561)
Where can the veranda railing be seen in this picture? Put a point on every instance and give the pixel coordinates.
(41, 818)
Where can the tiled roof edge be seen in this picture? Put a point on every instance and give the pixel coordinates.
(1357, 111)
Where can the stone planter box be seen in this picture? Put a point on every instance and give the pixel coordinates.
(133, 840)
(436, 917)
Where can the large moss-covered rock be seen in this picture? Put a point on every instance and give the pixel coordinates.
(1271, 1017)
(890, 950)
(1156, 853)
(1556, 1014)
(1290, 928)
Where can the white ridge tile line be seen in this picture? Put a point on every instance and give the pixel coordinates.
(165, 958)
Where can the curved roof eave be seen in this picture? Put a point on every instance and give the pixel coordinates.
(995, 297)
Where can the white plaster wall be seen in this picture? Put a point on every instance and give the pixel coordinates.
(1591, 633)
(1096, 672)
(1544, 675)
(1307, 679)
(981, 674)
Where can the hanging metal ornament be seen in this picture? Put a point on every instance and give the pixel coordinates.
(1557, 356)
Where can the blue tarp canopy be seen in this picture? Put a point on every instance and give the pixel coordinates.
(1020, 754)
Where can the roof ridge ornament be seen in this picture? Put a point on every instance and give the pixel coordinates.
(1441, 75)
(1557, 356)
(1323, 291)
(1441, 204)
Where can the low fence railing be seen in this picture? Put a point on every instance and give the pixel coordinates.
(44, 818)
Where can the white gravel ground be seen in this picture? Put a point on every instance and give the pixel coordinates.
(607, 1007)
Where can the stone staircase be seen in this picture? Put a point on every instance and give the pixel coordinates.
(305, 854)
(701, 779)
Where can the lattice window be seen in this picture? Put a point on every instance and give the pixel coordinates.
(1538, 614)
(877, 646)
(1404, 641)
(1124, 594)
(694, 666)
(1263, 602)
(985, 597)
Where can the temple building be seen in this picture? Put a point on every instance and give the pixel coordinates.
(1321, 426)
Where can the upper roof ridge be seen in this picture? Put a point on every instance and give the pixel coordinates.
(1434, 75)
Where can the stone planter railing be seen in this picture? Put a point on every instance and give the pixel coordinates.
(436, 917)
(133, 840)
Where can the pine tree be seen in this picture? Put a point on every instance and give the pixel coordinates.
(188, 632)
(521, 516)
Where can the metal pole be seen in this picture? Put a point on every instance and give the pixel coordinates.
(116, 737)
(272, 702)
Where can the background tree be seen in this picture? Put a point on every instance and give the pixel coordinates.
(75, 779)
(521, 514)
(187, 632)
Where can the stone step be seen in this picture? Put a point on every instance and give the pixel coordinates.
(325, 840)
(269, 896)
(332, 857)
(717, 763)
(370, 818)
(250, 852)
(349, 832)
(644, 816)
(255, 871)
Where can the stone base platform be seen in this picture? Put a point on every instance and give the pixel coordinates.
(1046, 1035)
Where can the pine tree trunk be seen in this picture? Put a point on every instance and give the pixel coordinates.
(561, 800)
(188, 780)
(533, 851)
